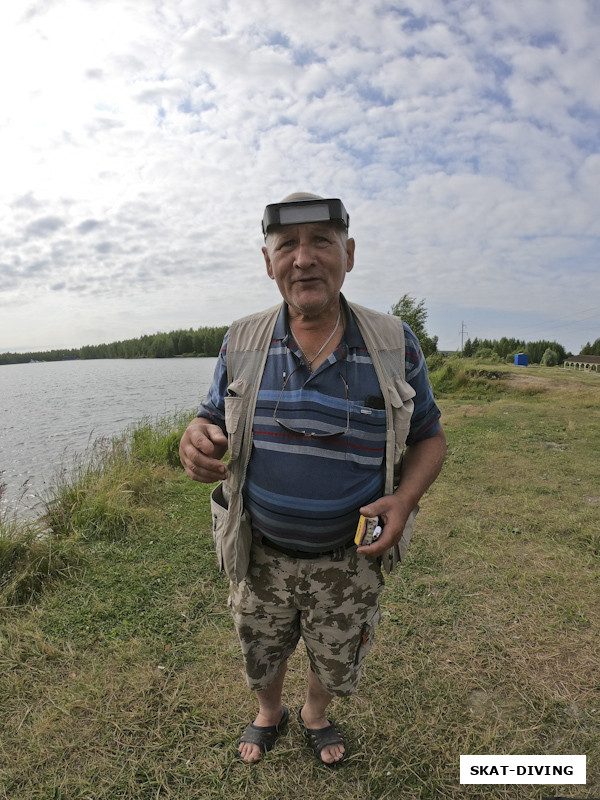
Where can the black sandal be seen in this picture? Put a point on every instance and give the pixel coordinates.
(263, 736)
(318, 738)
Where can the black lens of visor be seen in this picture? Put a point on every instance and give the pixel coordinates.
(302, 211)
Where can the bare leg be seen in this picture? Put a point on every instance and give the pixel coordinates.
(313, 714)
(270, 711)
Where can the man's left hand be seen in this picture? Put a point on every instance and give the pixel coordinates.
(393, 514)
(421, 465)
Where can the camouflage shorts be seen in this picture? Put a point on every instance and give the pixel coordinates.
(333, 605)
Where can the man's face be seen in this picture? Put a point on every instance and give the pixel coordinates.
(309, 262)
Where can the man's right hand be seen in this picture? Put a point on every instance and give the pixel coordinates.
(201, 449)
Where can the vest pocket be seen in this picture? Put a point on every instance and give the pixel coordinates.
(235, 404)
(232, 541)
(401, 394)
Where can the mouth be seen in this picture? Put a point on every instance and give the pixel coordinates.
(306, 281)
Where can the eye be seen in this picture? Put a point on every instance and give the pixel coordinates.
(286, 244)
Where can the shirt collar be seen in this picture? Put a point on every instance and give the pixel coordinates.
(352, 335)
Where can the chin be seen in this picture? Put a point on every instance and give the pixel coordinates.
(311, 302)
(309, 309)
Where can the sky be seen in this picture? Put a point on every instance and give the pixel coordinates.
(141, 139)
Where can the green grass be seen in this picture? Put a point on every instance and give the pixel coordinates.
(120, 672)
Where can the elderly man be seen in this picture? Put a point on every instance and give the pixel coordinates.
(327, 412)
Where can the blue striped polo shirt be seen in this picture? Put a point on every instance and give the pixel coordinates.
(304, 491)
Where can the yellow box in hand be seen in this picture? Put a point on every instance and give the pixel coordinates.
(368, 531)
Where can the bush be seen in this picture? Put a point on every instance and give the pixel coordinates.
(449, 378)
(435, 361)
(487, 354)
(550, 358)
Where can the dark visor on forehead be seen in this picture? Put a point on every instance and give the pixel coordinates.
(300, 211)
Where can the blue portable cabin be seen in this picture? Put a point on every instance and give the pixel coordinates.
(521, 360)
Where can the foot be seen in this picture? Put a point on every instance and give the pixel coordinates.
(260, 736)
(326, 741)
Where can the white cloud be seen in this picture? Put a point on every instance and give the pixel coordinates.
(145, 139)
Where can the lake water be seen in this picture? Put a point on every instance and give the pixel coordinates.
(52, 411)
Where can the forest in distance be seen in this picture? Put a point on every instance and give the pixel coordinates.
(205, 341)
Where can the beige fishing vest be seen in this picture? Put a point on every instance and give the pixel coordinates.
(247, 349)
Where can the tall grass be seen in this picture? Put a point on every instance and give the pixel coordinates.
(107, 492)
(465, 378)
(111, 491)
(30, 559)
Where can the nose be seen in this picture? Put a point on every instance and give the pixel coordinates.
(304, 256)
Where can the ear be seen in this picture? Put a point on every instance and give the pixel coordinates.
(350, 247)
(267, 258)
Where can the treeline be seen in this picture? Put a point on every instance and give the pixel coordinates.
(200, 342)
(505, 350)
(590, 349)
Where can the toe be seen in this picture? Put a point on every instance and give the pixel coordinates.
(333, 753)
(249, 752)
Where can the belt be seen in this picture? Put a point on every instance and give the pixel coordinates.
(338, 551)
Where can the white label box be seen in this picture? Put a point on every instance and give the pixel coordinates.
(553, 770)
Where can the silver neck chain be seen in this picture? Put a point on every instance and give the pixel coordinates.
(308, 362)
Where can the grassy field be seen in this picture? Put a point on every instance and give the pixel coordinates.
(120, 674)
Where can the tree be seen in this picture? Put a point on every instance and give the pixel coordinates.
(536, 351)
(185, 343)
(508, 347)
(550, 358)
(591, 349)
(415, 316)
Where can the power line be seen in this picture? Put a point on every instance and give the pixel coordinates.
(572, 321)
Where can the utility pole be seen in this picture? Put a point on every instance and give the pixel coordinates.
(462, 336)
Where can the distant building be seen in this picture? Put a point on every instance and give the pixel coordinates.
(521, 360)
(589, 363)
